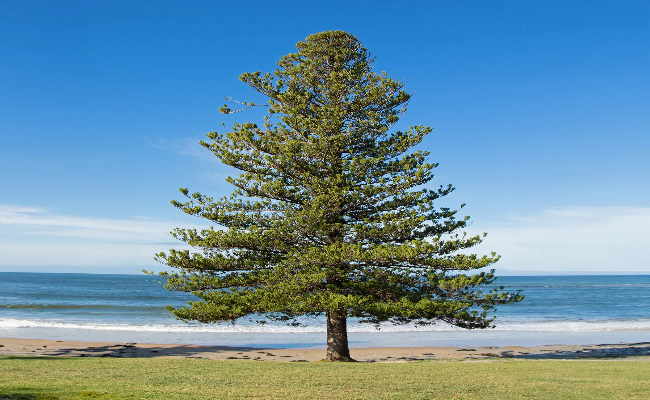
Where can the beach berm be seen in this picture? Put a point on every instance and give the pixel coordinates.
(58, 348)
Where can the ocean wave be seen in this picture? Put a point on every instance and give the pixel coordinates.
(566, 286)
(9, 323)
(575, 325)
(317, 326)
(79, 306)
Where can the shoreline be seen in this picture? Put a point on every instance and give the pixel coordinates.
(318, 340)
(60, 348)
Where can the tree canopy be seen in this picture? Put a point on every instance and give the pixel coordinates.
(332, 213)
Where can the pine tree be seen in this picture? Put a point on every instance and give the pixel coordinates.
(331, 213)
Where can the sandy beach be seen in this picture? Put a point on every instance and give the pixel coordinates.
(58, 348)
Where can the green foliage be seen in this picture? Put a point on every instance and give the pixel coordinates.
(332, 211)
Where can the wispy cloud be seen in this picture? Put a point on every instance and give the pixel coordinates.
(557, 239)
(186, 147)
(572, 239)
(190, 147)
(34, 221)
(37, 237)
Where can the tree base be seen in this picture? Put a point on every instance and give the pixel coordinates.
(338, 359)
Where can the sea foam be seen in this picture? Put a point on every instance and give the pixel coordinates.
(319, 326)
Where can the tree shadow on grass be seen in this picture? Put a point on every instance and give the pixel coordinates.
(133, 350)
(26, 395)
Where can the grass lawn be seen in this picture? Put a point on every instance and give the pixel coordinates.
(124, 378)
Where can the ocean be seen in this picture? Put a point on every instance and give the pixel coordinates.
(130, 308)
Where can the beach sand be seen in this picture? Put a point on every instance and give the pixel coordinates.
(58, 348)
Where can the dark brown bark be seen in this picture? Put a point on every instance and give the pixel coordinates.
(337, 336)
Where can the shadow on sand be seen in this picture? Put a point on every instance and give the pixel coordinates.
(594, 351)
(132, 350)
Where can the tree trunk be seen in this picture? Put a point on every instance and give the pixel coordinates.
(337, 336)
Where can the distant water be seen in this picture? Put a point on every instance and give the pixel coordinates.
(557, 309)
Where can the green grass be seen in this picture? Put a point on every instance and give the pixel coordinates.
(30, 378)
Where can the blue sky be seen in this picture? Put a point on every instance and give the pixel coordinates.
(539, 109)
